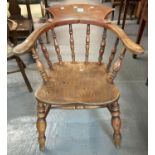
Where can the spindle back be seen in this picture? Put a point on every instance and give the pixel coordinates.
(80, 14)
(73, 54)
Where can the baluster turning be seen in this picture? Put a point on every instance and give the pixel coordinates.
(46, 54)
(39, 65)
(102, 46)
(113, 52)
(72, 42)
(57, 48)
(117, 65)
(87, 43)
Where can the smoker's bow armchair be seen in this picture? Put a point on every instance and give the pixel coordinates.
(74, 84)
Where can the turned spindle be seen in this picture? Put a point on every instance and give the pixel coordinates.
(40, 66)
(57, 48)
(87, 43)
(117, 65)
(72, 42)
(46, 54)
(112, 55)
(102, 46)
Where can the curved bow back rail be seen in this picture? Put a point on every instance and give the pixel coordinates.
(81, 15)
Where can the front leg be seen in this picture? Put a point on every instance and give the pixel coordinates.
(116, 123)
(41, 125)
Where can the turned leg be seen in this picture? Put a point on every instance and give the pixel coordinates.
(41, 125)
(116, 123)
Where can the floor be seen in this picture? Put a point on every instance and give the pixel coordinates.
(86, 132)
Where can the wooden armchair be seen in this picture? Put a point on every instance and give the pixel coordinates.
(12, 26)
(74, 84)
(25, 24)
(114, 4)
(143, 21)
(126, 4)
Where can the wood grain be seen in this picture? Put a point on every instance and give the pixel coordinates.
(76, 83)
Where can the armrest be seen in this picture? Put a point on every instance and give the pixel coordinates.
(128, 43)
(12, 24)
(27, 45)
(30, 41)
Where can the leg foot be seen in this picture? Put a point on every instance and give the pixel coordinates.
(41, 125)
(116, 123)
(134, 56)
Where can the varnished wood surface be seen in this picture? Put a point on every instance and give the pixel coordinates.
(24, 24)
(76, 11)
(79, 14)
(78, 83)
(102, 46)
(64, 126)
(72, 42)
(40, 65)
(113, 53)
(57, 48)
(41, 125)
(87, 43)
(116, 123)
(30, 41)
(116, 66)
(46, 53)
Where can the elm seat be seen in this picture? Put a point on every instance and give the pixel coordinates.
(78, 83)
